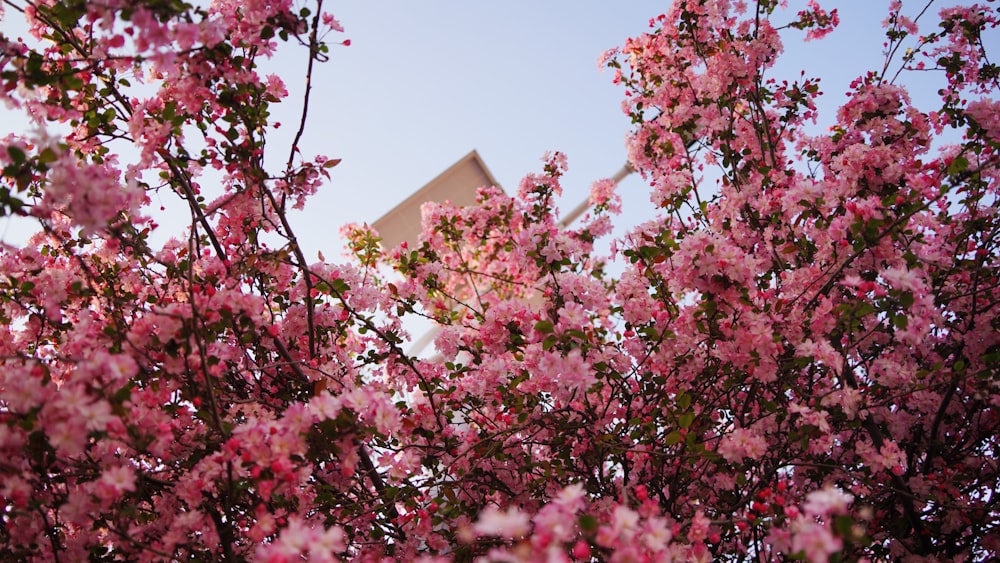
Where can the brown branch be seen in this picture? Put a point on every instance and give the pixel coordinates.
(369, 467)
(313, 51)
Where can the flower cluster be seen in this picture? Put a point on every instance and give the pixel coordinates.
(797, 359)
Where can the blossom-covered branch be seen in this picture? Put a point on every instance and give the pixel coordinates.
(796, 359)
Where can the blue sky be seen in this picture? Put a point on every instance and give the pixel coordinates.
(423, 83)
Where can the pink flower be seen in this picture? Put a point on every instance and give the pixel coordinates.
(700, 525)
(331, 22)
(325, 406)
(602, 192)
(904, 279)
(820, 21)
(815, 541)
(656, 534)
(115, 481)
(572, 317)
(571, 498)
(386, 417)
(91, 195)
(511, 523)
(276, 87)
(328, 543)
(826, 501)
(821, 351)
(624, 521)
(986, 114)
(887, 458)
(742, 443)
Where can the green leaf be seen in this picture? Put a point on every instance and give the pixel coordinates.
(587, 523)
(549, 342)
(544, 327)
(16, 154)
(906, 299)
(958, 165)
(992, 358)
(686, 420)
(864, 308)
(683, 401)
(47, 156)
(673, 438)
(340, 286)
(844, 525)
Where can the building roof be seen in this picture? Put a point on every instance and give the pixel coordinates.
(457, 185)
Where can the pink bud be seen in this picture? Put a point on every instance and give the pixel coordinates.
(581, 550)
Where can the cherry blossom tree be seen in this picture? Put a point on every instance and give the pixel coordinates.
(798, 359)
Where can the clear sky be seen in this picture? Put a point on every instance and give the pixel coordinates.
(423, 83)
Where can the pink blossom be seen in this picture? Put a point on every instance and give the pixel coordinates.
(603, 192)
(115, 481)
(904, 280)
(741, 443)
(752, 368)
(820, 21)
(985, 113)
(571, 498)
(276, 87)
(699, 527)
(510, 523)
(826, 501)
(656, 534)
(91, 195)
(815, 541)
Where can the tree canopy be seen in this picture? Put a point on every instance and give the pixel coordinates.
(798, 359)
